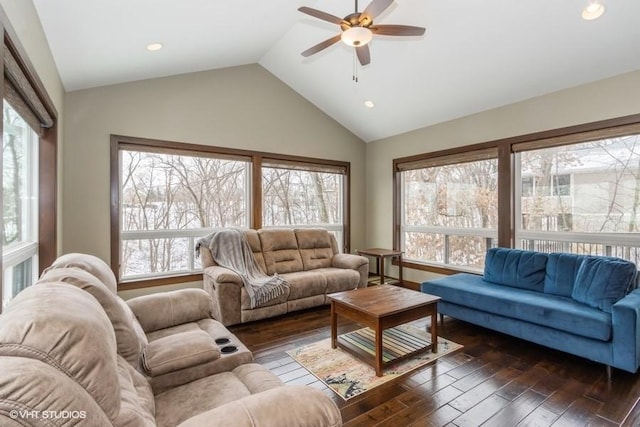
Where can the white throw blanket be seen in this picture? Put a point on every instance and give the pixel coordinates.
(231, 250)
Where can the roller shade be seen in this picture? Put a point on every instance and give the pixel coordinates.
(19, 93)
(451, 159)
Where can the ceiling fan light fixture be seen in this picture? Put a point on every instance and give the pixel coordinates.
(356, 36)
(593, 10)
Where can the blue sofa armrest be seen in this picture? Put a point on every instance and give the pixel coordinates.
(625, 317)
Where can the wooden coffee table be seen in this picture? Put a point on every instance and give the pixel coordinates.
(382, 307)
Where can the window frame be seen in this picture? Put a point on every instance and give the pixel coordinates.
(31, 87)
(508, 176)
(256, 160)
(444, 158)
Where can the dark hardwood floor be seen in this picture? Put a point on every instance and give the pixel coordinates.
(495, 380)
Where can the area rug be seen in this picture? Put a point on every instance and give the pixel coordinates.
(348, 376)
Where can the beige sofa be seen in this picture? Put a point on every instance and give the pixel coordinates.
(308, 259)
(73, 353)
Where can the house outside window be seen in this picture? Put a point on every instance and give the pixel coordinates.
(20, 204)
(573, 190)
(594, 205)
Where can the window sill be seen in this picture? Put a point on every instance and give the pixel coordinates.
(128, 285)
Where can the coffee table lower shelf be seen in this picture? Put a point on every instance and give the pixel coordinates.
(397, 345)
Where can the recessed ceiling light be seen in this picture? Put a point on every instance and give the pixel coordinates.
(154, 46)
(594, 10)
(369, 103)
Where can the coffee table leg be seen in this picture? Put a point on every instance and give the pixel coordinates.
(434, 328)
(334, 326)
(378, 349)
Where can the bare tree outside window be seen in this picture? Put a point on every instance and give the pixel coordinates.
(166, 195)
(450, 212)
(297, 197)
(19, 204)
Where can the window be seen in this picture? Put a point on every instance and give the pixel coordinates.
(449, 210)
(166, 195)
(592, 210)
(574, 190)
(19, 204)
(299, 195)
(29, 139)
(168, 201)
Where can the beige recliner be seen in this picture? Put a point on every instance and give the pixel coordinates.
(68, 350)
(170, 337)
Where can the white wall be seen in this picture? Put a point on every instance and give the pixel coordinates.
(615, 97)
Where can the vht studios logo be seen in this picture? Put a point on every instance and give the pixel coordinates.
(48, 415)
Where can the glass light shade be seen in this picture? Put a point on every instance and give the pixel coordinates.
(357, 36)
(593, 11)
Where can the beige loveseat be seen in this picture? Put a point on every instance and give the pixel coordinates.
(73, 353)
(308, 259)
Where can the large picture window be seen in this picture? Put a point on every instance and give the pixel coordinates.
(19, 204)
(587, 198)
(449, 210)
(166, 195)
(574, 190)
(303, 195)
(168, 201)
(29, 170)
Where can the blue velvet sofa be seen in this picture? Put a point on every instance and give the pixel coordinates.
(588, 306)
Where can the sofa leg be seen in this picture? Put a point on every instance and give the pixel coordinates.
(441, 321)
(609, 373)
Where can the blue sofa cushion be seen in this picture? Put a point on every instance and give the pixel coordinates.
(553, 311)
(562, 269)
(601, 281)
(516, 268)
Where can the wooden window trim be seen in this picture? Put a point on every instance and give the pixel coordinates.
(257, 158)
(619, 126)
(47, 153)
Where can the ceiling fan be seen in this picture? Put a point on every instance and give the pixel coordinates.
(358, 29)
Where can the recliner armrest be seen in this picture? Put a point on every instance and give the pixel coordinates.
(178, 351)
(167, 309)
(222, 275)
(284, 406)
(349, 261)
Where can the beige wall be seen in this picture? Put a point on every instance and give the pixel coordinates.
(614, 97)
(25, 22)
(243, 107)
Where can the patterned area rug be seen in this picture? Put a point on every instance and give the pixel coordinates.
(348, 376)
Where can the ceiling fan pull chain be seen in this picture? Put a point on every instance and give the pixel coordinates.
(355, 67)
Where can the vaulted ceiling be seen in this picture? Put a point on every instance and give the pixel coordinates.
(475, 55)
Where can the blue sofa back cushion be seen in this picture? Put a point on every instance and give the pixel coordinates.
(602, 281)
(516, 268)
(562, 269)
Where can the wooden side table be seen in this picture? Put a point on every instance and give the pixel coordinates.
(380, 254)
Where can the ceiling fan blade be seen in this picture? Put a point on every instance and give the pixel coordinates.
(321, 15)
(397, 30)
(364, 55)
(320, 46)
(375, 8)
